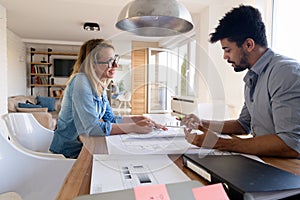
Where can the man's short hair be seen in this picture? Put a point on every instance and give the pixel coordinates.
(239, 24)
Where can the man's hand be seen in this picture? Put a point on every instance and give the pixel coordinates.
(208, 139)
(191, 121)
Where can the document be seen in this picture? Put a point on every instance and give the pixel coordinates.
(171, 141)
(119, 172)
(162, 142)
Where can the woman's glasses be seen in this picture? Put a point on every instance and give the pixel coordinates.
(111, 62)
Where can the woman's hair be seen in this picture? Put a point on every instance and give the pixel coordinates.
(89, 53)
(239, 24)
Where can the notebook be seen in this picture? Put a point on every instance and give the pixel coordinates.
(243, 177)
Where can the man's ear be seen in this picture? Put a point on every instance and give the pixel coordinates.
(249, 44)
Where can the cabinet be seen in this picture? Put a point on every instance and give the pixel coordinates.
(40, 71)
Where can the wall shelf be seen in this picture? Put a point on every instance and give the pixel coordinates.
(40, 75)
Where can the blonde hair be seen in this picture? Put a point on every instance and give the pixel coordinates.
(90, 52)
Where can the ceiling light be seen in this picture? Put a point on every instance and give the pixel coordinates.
(91, 26)
(155, 18)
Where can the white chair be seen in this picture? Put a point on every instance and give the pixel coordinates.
(124, 100)
(26, 133)
(31, 176)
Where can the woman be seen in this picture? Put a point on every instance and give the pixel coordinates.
(85, 108)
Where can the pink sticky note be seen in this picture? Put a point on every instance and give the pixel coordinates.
(211, 192)
(151, 192)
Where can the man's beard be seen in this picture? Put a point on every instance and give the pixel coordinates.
(244, 64)
(240, 68)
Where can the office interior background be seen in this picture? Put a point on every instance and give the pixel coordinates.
(206, 77)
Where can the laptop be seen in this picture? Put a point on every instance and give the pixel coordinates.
(245, 178)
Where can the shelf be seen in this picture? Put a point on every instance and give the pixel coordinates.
(40, 63)
(54, 53)
(40, 74)
(47, 85)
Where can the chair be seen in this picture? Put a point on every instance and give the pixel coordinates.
(30, 176)
(124, 100)
(26, 133)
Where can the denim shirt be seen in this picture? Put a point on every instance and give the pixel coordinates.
(80, 113)
(272, 99)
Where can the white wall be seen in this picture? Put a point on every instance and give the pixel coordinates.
(16, 62)
(3, 61)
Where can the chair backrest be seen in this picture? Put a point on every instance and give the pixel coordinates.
(25, 130)
(125, 97)
(29, 175)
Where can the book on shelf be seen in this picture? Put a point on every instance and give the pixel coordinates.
(40, 80)
(38, 69)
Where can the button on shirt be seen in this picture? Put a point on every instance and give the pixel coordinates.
(272, 99)
(81, 112)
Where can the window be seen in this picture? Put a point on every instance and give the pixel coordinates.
(186, 55)
(285, 38)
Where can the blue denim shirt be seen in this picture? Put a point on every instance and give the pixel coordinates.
(80, 113)
(272, 99)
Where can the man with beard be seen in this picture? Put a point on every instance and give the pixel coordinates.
(271, 111)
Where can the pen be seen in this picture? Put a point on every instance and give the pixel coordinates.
(179, 117)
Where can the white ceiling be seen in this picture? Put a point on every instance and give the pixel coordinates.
(62, 20)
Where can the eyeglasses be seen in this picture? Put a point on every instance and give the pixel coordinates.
(111, 62)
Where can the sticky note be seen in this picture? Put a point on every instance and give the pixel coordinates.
(151, 192)
(211, 192)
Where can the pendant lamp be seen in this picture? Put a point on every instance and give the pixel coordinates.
(155, 18)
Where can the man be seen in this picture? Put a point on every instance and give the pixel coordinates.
(271, 111)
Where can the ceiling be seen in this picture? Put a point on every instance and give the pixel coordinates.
(62, 20)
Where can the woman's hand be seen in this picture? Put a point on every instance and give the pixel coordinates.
(143, 121)
(143, 126)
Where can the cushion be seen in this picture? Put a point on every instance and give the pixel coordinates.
(46, 102)
(28, 105)
(32, 109)
(14, 100)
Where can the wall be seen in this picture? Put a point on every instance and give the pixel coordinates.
(16, 62)
(3, 61)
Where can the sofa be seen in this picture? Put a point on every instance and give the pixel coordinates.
(45, 115)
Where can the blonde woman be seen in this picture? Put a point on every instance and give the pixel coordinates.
(85, 107)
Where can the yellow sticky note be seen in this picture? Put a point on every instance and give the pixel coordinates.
(151, 192)
(211, 192)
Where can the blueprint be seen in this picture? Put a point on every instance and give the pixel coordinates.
(156, 142)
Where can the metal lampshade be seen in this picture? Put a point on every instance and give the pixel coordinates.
(155, 18)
